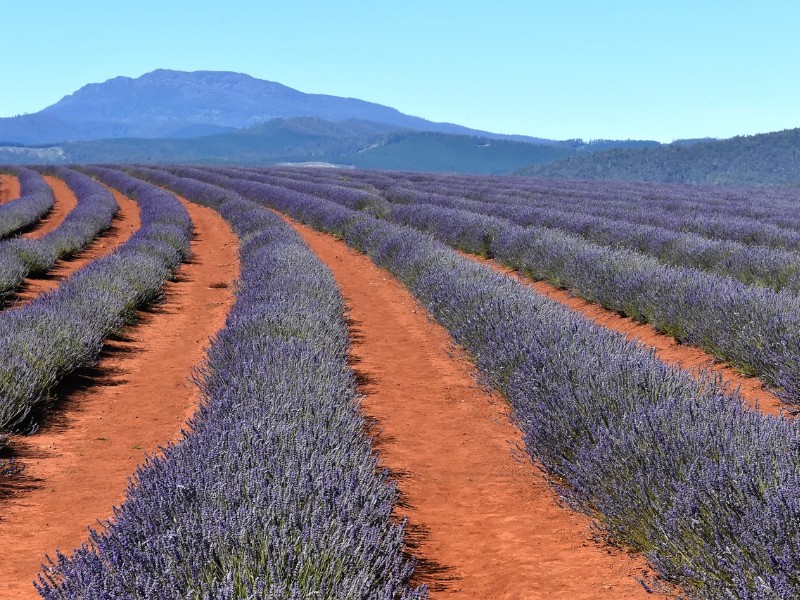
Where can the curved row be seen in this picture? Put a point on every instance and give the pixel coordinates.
(669, 465)
(719, 225)
(754, 329)
(22, 257)
(274, 491)
(35, 200)
(647, 204)
(753, 265)
(770, 206)
(349, 189)
(64, 329)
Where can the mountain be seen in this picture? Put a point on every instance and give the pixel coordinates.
(763, 159)
(440, 152)
(179, 104)
(301, 140)
(220, 116)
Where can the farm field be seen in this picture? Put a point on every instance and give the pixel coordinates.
(339, 383)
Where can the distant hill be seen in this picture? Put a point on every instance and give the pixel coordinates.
(764, 159)
(218, 116)
(299, 140)
(426, 151)
(279, 140)
(179, 104)
(224, 117)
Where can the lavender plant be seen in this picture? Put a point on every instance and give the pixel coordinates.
(754, 217)
(35, 201)
(659, 201)
(669, 465)
(273, 491)
(64, 329)
(94, 212)
(754, 329)
(752, 264)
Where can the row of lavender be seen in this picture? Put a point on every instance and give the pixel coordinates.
(775, 224)
(21, 257)
(35, 201)
(670, 466)
(776, 268)
(753, 216)
(752, 264)
(274, 491)
(753, 328)
(747, 202)
(639, 445)
(64, 329)
(760, 203)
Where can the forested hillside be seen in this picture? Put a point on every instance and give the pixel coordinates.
(764, 159)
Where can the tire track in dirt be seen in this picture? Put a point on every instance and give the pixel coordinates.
(483, 524)
(126, 222)
(667, 349)
(136, 399)
(64, 202)
(9, 187)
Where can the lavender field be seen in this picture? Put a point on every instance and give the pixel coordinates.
(276, 487)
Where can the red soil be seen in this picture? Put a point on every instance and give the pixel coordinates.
(9, 188)
(77, 466)
(125, 224)
(668, 350)
(483, 523)
(65, 201)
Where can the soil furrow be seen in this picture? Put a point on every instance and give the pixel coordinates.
(65, 201)
(482, 520)
(666, 348)
(109, 417)
(9, 188)
(125, 224)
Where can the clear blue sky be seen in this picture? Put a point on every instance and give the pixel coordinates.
(588, 69)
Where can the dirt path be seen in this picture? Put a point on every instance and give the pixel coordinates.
(125, 224)
(65, 201)
(77, 467)
(9, 188)
(487, 525)
(666, 348)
